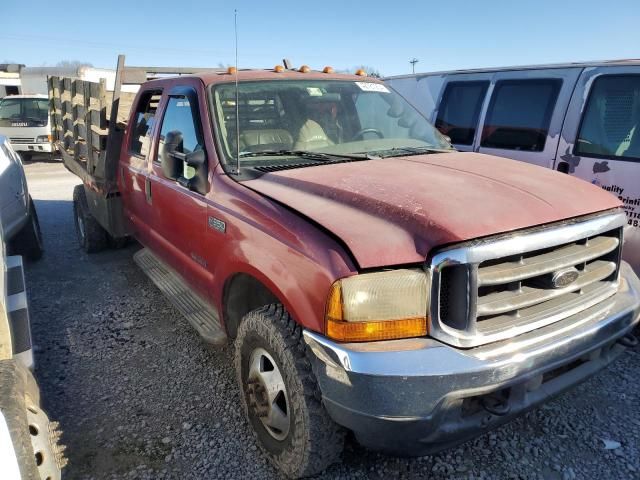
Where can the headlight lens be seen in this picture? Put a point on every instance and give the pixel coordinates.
(378, 306)
(43, 138)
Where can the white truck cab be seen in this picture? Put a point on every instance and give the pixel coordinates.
(24, 120)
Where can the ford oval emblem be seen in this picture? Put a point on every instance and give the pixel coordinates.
(565, 277)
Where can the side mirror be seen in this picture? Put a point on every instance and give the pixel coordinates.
(171, 165)
(198, 180)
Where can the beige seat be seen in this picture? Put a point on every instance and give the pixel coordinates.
(270, 139)
(311, 137)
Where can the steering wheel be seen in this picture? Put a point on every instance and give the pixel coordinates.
(360, 133)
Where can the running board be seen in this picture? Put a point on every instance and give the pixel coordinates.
(200, 314)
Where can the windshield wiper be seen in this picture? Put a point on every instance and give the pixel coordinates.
(310, 155)
(407, 151)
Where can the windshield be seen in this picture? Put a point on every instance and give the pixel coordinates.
(24, 112)
(322, 116)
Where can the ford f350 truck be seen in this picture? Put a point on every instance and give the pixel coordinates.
(372, 278)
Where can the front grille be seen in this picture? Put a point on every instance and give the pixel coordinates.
(21, 139)
(497, 288)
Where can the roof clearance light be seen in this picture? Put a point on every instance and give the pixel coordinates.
(232, 70)
(278, 69)
(361, 73)
(327, 69)
(304, 69)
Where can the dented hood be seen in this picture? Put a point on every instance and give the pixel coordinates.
(394, 211)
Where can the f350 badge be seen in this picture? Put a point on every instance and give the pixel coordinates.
(217, 224)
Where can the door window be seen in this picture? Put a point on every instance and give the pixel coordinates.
(179, 119)
(610, 125)
(459, 110)
(519, 114)
(144, 121)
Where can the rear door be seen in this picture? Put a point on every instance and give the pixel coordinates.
(600, 142)
(525, 112)
(134, 167)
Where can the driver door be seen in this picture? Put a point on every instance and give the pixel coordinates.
(181, 212)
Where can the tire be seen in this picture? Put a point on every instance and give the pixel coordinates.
(91, 236)
(309, 441)
(28, 241)
(34, 438)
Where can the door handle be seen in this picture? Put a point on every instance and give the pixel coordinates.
(147, 190)
(563, 167)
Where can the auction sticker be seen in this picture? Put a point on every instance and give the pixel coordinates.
(372, 87)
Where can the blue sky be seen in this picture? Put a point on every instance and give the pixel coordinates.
(385, 35)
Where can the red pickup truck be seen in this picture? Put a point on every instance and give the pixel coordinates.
(372, 278)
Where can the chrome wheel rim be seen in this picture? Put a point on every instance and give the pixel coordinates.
(267, 394)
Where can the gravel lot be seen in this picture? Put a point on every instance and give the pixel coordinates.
(140, 396)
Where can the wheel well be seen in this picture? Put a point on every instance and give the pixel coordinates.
(242, 294)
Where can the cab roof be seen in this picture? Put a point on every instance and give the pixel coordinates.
(248, 75)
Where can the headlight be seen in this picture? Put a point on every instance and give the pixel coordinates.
(378, 306)
(43, 139)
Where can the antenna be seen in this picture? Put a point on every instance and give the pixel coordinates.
(235, 25)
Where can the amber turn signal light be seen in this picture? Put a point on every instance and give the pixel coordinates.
(361, 73)
(278, 69)
(327, 69)
(304, 69)
(232, 70)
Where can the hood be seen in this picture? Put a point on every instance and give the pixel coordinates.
(394, 211)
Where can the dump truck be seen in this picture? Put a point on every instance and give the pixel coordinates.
(371, 278)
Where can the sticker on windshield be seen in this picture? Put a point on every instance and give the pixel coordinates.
(372, 87)
(314, 91)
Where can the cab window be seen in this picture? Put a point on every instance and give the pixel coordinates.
(519, 114)
(144, 120)
(611, 123)
(178, 117)
(459, 110)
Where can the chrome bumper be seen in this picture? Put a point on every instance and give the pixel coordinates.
(418, 396)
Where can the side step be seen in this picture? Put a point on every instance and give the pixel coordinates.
(200, 314)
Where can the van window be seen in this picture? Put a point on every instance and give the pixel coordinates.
(142, 127)
(459, 110)
(519, 114)
(611, 122)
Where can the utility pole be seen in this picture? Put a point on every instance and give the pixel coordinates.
(413, 62)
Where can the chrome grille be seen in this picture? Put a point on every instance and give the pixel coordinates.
(22, 139)
(494, 289)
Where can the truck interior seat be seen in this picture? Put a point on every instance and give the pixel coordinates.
(267, 139)
(312, 136)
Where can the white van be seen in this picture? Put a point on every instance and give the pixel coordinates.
(579, 118)
(24, 120)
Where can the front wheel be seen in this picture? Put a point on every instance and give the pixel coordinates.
(280, 395)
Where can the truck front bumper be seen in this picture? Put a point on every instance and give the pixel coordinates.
(418, 396)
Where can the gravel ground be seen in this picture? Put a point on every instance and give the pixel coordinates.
(140, 396)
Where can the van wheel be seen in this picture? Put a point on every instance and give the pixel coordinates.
(91, 236)
(280, 394)
(28, 242)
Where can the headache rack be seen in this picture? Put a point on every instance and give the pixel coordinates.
(88, 120)
(497, 288)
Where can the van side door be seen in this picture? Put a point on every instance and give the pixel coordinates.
(600, 141)
(524, 115)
